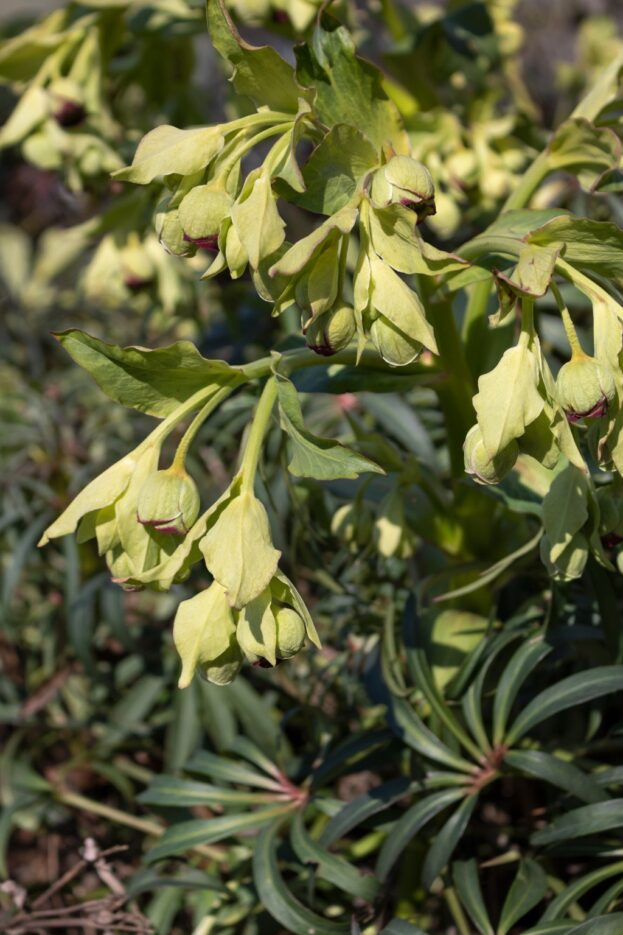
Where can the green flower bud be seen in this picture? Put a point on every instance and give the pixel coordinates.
(584, 387)
(479, 463)
(406, 182)
(396, 348)
(201, 214)
(137, 266)
(169, 501)
(225, 668)
(290, 633)
(332, 331)
(171, 234)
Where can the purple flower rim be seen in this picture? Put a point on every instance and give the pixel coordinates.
(204, 243)
(599, 409)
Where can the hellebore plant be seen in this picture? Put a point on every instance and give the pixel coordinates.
(403, 244)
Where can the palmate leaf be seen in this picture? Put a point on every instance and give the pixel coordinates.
(154, 382)
(573, 690)
(348, 89)
(259, 71)
(277, 898)
(335, 169)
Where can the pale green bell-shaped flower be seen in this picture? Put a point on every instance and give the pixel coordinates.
(290, 632)
(407, 182)
(204, 634)
(481, 465)
(584, 387)
(201, 213)
(169, 501)
(332, 331)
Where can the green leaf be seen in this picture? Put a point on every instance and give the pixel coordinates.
(364, 807)
(527, 889)
(154, 382)
(605, 925)
(410, 728)
(219, 767)
(577, 888)
(589, 151)
(348, 89)
(335, 169)
(446, 841)
(330, 867)
(169, 791)
(573, 690)
(558, 772)
(534, 270)
(313, 456)
(521, 665)
(400, 927)
(409, 824)
(591, 246)
(467, 883)
(565, 509)
(259, 71)
(277, 899)
(167, 150)
(580, 822)
(202, 630)
(299, 255)
(187, 834)
(508, 399)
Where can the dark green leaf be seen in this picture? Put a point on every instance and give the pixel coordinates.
(558, 772)
(335, 169)
(527, 889)
(187, 834)
(329, 866)
(574, 690)
(177, 793)
(363, 807)
(524, 660)
(410, 823)
(277, 898)
(589, 819)
(467, 882)
(446, 841)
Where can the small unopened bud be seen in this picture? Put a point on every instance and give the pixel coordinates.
(201, 214)
(169, 502)
(479, 463)
(406, 182)
(290, 633)
(332, 331)
(585, 387)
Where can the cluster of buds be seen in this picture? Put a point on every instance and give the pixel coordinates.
(214, 638)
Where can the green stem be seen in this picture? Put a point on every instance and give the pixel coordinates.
(154, 828)
(455, 393)
(195, 425)
(457, 911)
(529, 182)
(248, 144)
(259, 427)
(572, 335)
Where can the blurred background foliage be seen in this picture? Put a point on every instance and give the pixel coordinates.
(90, 716)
